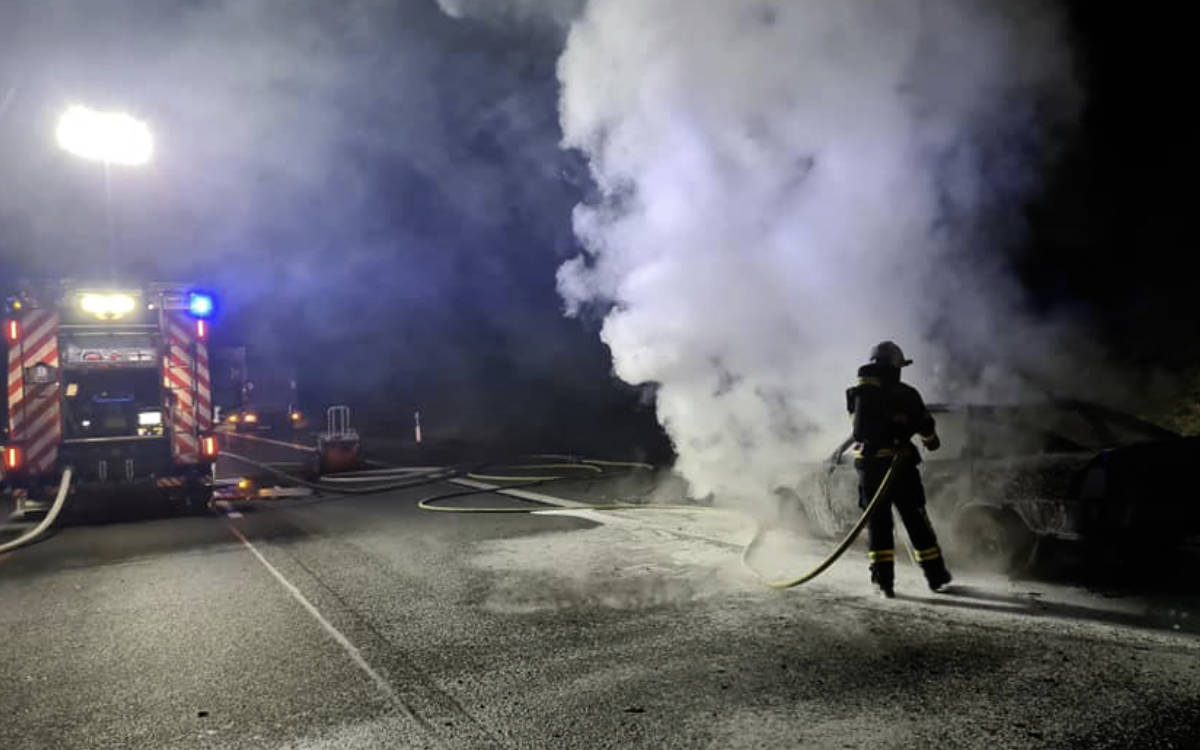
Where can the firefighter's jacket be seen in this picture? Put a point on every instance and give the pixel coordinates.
(886, 414)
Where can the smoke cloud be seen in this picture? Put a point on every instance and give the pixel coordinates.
(356, 180)
(557, 13)
(780, 185)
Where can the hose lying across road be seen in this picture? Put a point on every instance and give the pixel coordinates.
(865, 518)
(430, 503)
(568, 463)
(412, 480)
(64, 486)
(593, 467)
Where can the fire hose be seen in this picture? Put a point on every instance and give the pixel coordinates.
(863, 520)
(29, 537)
(435, 475)
(430, 504)
(580, 464)
(415, 480)
(420, 479)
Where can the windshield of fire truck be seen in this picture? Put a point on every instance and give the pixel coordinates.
(112, 403)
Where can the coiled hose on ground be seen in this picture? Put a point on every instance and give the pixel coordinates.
(412, 480)
(573, 463)
(430, 504)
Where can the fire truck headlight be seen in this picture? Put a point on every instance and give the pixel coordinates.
(200, 305)
(107, 306)
(250, 418)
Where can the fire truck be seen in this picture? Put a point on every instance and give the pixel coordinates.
(113, 382)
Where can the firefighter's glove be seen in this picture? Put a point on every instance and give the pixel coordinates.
(932, 443)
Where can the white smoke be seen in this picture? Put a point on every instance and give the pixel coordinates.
(783, 184)
(557, 12)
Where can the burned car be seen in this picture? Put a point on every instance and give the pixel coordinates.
(1009, 476)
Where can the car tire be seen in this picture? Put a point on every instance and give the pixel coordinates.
(992, 539)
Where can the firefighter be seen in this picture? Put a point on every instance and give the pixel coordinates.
(886, 414)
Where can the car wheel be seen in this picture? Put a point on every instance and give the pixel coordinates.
(993, 539)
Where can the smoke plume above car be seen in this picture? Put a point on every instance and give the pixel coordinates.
(779, 185)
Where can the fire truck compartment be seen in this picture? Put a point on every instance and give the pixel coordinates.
(113, 425)
(118, 460)
(120, 403)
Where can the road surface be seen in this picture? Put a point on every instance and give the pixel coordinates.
(364, 622)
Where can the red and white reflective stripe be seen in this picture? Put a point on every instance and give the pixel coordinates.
(178, 367)
(15, 382)
(186, 374)
(203, 389)
(34, 412)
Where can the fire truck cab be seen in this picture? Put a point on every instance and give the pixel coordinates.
(113, 382)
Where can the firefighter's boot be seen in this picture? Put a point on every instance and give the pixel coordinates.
(883, 577)
(883, 571)
(936, 574)
(934, 567)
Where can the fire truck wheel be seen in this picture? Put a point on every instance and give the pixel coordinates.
(197, 503)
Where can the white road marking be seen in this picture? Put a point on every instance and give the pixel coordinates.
(536, 497)
(569, 507)
(377, 479)
(390, 470)
(350, 649)
(565, 507)
(244, 436)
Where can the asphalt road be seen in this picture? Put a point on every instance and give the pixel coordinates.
(366, 623)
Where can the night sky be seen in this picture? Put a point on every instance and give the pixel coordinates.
(377, 194)
(1110, 234)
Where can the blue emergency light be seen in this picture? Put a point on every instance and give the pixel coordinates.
(200, 305)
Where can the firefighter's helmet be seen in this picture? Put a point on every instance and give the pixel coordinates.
(887, 353)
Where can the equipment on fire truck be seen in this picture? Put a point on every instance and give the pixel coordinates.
(114, 382)
(338, 447)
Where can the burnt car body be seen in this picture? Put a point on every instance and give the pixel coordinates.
(1009, 476)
